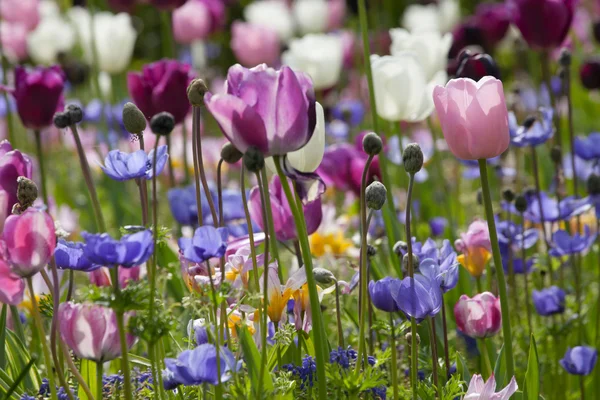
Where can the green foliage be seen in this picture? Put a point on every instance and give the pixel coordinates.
(532, 376)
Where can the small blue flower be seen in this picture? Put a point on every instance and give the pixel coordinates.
(131, 250)
(588, 147)
(580, 360)
(552, 209)
(207, 242)
(70, 255)
(549, 301)
(535, 130)
(565, 244)
(122, 166)
(511, 233)
(438, 226)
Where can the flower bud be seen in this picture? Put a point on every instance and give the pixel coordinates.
(371, 251)
(375, 195)
(508, 195)
(162, 123)
(196, 91)
(565, 57)
(415, 261)
(133, 119)
(408, 338)
(62, 120)
(589, 73)
(412, 158)
(372, 144)
(254, 160)
(476, 66)
(27, 192)
(323, 276)
(230, 154)
(400, 247)
(529, 121)
(521, 203)
(593, 185)
(555, 155)
(75, 112)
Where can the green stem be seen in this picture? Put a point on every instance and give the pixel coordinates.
(525, 275)
(196, 120)
(547, 80)
(99, 385)
(446, 350)
(168, 47)
(250, 230)
(338, 312)
(114, 275)
(538, 191)
(271, 224)
(486, 358)
(434, 357)
(40, 157)
(220, 192)
(394, 357)
(411, 272)
(320, 338)
(489, 211)
(264, 192)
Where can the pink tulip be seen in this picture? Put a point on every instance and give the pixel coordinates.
(14, 40)
(13, 164)
(11, 285)
(197, 19)
(254, 44)
(101, 276)
(25, 12)
(478, 317)
(473, 116)
(30, 241)
(477, 235)
(91, 331)
(337, 14)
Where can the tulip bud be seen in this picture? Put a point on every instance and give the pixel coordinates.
(196, 91)
(230, 154)
(400, 247)
(565, 57)
(412, 158)
(415, 261)
(589, 73)
(371, 251)
(508, 195)
(162, 123)
(62, 120)
(254, 160)
(375, 195)
(476, 66)
(480, 316)
(521, 203)
(323, 276)
(75, 112)
(555, 155)
(372, 144)
(27, 192)
(133, 118)
(593, 185)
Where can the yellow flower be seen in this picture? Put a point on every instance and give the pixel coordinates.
(474, 260)
(330, 243)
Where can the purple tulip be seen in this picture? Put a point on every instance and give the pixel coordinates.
(167, 5)
(38, 94)
(565, 244)
(130, 251)
(549, 301)
(71, 255)
(197, 19)
(588, 148)
(418, 297)
(122, 166)
(12, 286)
(544, 24)
(90, 330)
(254, 44)
(271, 110)
(283, 221)
(381, 291)
(485, 29)
(13, 164)
(208, 242)
(580, 360)
(589, 73)
(476, 66)
(161, 86)
(478, 317)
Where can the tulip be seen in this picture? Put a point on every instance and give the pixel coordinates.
(14, 41)
(312, 16)
(478, 317)
(549, 301)
(122, 166)
(302, 309)
(476, 247)
(336, 14)
(474, 117)
(129, 251)
(12, 286)
(51, 37)
(280, 294)
(381, 291)
(30, 241)
(476, 65)
(284, 119)
(478, 390)
(431, 49)
(167, 5)
(437, 17)
(485, 29)
(589, 73)
(283, 221)
(207, 242)
(13, 164)
(24, 12)
(580, 360)
(544, 24)
(402, 92)
(90, 330)
(254, 44)
(161, 86)
(418, 297)
(318, 55)
(114, 38)
(588, 148)
(38, 94)
(197, 19)
(101, 277)
(272, 14)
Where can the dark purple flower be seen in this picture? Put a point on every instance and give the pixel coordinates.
(549, 301)
(131, 250)
(476, 66)
(380, 293)
(589, 73)
(588, 148)
(535, 130)
(161, 86)
(565, 244)
(167, 5)
(485, 29)
(71, 255)
(199, 366)
(580, 360)
(207, 242)
(544, 24)
(418, 297)
(122, 166)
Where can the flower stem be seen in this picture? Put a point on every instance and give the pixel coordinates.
(319, 335)
(434, 357)
(489, 211)
(114, 272)
(525, 275)
(250, 230)
(394, 357)
(220, 192)
(446, 350)
(271, 223)
(196, 120)
(486, 358)
(99, 383)
(338, 312)
(73, 368)
(538, 191)
(547, 80)
(414, 351)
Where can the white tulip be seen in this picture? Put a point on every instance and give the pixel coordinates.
(308, 158)
(402, 92)
(441, 17)
(272, 14)
(319, 55)
(114, 37)
(53, 35)
(311, 15)
(431, 48)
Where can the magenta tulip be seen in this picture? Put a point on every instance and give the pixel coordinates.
(30, 240)
(91, 331)
(254, 44)
(544, 24)
(12, 285)
(13, 164)
(271, 110)
(480, 316)
(197, 19)
(283, 221)
(473, 116)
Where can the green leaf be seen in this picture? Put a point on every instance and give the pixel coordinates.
(19, 357)
(88, 372)
(135, 359)
(532, 376)
(252, 359)
(166, 258)
(500, 369)
(3, 336)
(462, 368)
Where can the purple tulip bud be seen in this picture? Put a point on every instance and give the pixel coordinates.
(589, 73)
(544, 24)
(478, 317)
(476, 66)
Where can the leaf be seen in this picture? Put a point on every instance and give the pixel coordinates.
(3, 336)
(135, 359)
(166, 258)
(531, 390)
(462, 368)
(253, 361)
(19, 379)
(500, 369)
(19, 357)
(88, 372)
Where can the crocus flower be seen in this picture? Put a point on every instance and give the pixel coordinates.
(197, 19)
(588, 148)
(199, 366)
(13, 164)
(418, 297)
(474, 117)
(30, 240)
(478, 390)
(131, 250)
(122, 166)
(580, 360)
(381, 291)
(549, 301)
(161, 86)
(272, 14)
(207, 242)
(283, 221)
(254, 44)
(71, 255)
(544, 24)
(282, 117)
(38, 94)
(90, 330)
(480, 316)
(565, 244)
(534, 131)
(12, 286)
(318, 55)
